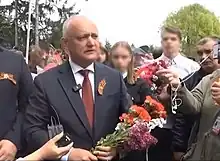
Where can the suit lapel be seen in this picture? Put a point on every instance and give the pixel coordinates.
(67, 81)
(99, 109)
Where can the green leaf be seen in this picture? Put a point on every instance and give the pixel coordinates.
(195, 22)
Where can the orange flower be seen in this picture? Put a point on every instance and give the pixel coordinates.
(127, 118)
(155, 108)
(141, 113)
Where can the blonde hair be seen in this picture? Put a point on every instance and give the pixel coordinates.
(131, 75)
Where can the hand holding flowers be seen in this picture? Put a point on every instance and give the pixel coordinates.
(148, 73)
(133, 130)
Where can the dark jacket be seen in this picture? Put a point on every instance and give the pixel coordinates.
(184, 123)
(54, 90)
(14, 95)
(138, 91)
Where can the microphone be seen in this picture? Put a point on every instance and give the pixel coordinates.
(77, 87)
(56, 128)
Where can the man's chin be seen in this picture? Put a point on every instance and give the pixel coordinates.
(91, 59)
(208, 69)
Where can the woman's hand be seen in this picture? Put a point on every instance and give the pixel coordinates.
(215, 89)
(51, 151)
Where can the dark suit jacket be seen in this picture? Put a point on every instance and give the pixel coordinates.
(13, 97)
(55, 88)
(184, 123)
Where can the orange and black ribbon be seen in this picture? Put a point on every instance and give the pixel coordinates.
(7, 76)
(101, 87)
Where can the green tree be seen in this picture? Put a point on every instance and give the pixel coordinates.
(49, 30)
(195, 22)
(108, 45)
(6, 29)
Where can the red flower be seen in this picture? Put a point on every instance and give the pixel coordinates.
(147, 72)
(140, 113)
(155, 108)
(127, 118)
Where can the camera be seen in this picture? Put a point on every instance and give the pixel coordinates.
(216, 51)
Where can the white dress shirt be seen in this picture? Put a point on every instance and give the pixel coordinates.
(39, 69)
(124, 75)
(181, 64)
(79, 80)
(33, 75)
(79, 77)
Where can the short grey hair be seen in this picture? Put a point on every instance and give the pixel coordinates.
(204, 40)
(66, 24)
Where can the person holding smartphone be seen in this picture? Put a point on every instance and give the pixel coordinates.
(50, 150)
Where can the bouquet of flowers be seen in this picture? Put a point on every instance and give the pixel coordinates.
(133, 130)
(148, 73)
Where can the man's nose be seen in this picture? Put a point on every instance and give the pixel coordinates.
(91, 41)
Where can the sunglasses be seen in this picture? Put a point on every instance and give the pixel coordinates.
(169, 38)
(207, 51)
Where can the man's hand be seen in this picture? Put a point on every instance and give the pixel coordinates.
(169, 77)
(105, 153)
(215, 89)
(163, 95)
(178, 156)
(7, 150)
(81, 155)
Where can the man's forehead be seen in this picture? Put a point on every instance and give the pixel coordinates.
(207, 45)
(165, 34)
(84, 28)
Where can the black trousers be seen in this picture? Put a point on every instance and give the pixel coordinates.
(162, 150)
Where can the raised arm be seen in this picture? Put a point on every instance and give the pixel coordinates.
(193, 101)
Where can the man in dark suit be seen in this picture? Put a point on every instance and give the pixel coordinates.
(15, 87)
(89, 97)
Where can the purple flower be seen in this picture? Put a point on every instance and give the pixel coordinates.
(139, 138)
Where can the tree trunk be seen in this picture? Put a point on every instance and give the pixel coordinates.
(16, 23)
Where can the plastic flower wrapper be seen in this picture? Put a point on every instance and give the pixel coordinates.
(148, 73)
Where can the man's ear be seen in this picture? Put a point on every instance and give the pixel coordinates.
(63, 44)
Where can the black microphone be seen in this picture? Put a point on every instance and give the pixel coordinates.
(77, 87)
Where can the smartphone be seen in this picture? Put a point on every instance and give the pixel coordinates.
(216, 51)
(64, 141)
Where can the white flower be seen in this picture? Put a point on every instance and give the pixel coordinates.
(156, 122)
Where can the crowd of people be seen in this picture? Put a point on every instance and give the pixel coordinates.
(63, 84)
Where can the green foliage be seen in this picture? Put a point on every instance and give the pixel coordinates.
(48, 29)
(195, 22)
(6, 29)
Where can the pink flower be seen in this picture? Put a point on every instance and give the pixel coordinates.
(139, 138)
(49, 66)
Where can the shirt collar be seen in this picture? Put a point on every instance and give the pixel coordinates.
(124, 75)
(76, 68)
(175, 59)
(39, 69)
